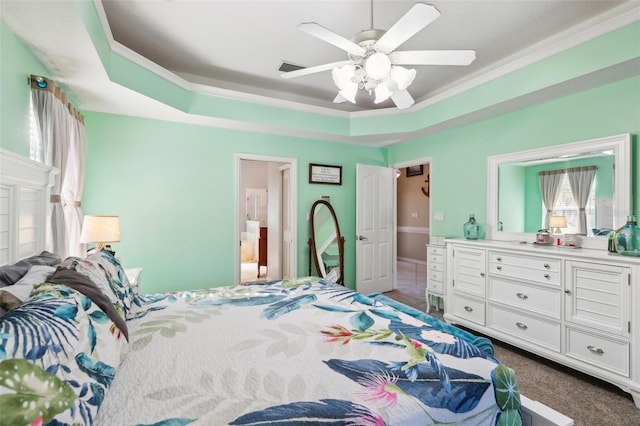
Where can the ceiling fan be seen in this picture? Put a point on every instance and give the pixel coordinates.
(374, 65)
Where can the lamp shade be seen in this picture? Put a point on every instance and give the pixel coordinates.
(100, 229)
(557, 222)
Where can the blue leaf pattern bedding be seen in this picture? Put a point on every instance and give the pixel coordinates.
(289, 352)
(58, 356)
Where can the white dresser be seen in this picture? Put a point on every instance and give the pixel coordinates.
(436, 286)
(578, 307)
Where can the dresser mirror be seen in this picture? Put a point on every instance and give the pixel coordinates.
(515, 209)
(326, 244)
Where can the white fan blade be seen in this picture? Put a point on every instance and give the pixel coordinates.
(313, 70)
(402, 99)
(418, 17)
(330, 37)
(433, 57)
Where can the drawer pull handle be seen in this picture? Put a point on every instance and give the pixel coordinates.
(595, 350)
(547, 276)
(521, 326)
(546, 266)
(499, 259)
(568, 291)
(522, 296)
(482, 274)
(468, 308)
(499, 268)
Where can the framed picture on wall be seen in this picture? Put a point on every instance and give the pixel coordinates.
(324, 173)
(414, 170)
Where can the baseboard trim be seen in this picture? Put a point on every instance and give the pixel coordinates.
(406, 259)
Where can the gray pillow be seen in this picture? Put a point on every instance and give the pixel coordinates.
(22, 288)
(10, 274)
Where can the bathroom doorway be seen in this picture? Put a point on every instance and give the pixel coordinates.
(265, 213)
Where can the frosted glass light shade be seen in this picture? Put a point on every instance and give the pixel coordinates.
(100, 229)
(403, 77)
(382, 93)
(343, 78)
(377, 66)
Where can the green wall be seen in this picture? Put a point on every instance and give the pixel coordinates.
(459, 156)
(16, 65)
(173, 186)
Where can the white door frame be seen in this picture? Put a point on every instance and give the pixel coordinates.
(400, 165)
(293, 193)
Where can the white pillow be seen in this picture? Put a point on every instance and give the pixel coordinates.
(37, 274)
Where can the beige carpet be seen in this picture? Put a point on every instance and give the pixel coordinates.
(590, 402)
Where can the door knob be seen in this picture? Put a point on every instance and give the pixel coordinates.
(361, 238)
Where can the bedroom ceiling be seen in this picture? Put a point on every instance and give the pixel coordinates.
(234, 48)
(239, 45)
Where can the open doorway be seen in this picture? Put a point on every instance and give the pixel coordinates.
(413, 224)
(265, 218)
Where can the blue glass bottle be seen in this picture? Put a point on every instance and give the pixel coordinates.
(471, 229)
(627, 238)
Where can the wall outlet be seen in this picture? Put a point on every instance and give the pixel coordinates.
(438, 217)
(414, 215)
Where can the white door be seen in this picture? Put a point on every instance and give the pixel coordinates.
(287, 273)
(375, 228)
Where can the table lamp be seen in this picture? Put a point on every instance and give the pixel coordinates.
(100, 230)
(556, 223)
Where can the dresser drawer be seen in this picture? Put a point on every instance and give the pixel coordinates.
(542, 270)
(435, 286)
(468, 308)
(439, 267)
(542, 263)
(608, 354)
(438, 251)
(435, 259)
(538, 299)
(546, 333)
(435, 276)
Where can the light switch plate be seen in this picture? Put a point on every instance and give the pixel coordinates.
(438, 217)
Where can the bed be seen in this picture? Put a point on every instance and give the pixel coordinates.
(85, 348)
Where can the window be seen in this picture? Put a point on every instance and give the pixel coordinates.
(566, 206)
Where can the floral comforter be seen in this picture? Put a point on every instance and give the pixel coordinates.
(300, 351)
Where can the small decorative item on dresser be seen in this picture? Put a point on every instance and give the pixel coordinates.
(471, 228)
(627, 238)
(543, 237)
(612, 242)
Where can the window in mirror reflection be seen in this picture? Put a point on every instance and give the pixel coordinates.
(567, 206)
(527, 211)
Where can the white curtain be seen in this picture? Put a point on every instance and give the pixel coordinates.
(550, 182)
(580, 180)
(62, 145)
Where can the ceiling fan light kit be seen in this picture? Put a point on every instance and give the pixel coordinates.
(373, 64)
